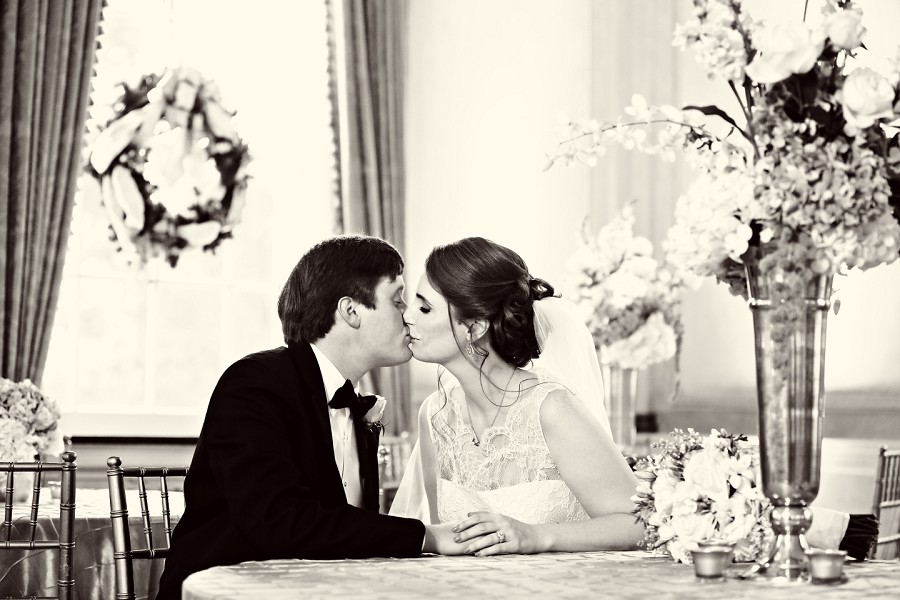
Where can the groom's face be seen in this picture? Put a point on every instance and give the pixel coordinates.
(384, 335)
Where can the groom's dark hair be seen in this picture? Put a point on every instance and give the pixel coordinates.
(346, 265)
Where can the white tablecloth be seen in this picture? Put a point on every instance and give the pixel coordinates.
(625, 575)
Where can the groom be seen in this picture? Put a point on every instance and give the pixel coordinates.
(286, 466)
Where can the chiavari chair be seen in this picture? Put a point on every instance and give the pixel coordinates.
(15, 538)
(886, 505)
(124, 554)
(393, 454)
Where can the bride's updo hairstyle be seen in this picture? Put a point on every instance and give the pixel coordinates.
(481, 279)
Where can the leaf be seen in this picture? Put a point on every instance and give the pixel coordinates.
(711, 110)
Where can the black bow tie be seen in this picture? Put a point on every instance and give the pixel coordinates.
(346, 397)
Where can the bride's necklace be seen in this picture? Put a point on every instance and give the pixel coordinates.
(475, 439)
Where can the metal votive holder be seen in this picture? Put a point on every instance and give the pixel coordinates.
(711, 562)
(826, 566)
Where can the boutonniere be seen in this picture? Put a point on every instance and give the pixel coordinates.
(373, 417)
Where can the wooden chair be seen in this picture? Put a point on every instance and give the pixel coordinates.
(65, 543)
(886, 505)
(123, 553)
(393, 454)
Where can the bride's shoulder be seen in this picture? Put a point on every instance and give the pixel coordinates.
(547, 391)
(560, 409)
(544, 382)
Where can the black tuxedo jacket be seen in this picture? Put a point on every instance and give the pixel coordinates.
(263, 482)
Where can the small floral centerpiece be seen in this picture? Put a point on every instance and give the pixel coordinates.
(630, 301)
(171, 167)
(695, 488)
(807, 180)
(28, 422)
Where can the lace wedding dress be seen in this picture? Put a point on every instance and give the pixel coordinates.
(509, 471)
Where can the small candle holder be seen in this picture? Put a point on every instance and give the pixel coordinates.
(711, 561)
(826, 566)
(714, 543)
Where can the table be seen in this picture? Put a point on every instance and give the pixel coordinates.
(626, 575)
(25, 573)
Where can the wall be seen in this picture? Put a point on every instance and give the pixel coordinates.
(486, 83)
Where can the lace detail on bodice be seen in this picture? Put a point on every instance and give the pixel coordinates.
(509, 472)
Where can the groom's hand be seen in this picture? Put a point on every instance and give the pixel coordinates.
(439, 540)
(486, 534)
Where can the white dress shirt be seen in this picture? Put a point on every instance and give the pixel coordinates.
(343, 436)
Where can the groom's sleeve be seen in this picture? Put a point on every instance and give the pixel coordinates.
(250, 441)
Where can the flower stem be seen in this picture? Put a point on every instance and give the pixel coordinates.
(746, 110)
(602, 130)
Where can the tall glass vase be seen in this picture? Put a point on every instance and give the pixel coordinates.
(620, 397)
(790, 357)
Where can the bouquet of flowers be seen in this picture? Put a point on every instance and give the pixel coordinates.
(807, 180)
(28, 422)
(629, 301)
(694, 488)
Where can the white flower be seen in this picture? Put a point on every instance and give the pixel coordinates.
(866, 97)
(617, 284)
(376, 413)
(739, 528)
(783, 50)
(200, 234)
(694, 527)
(653, 342)
(845, 29)
(28, 421)
(708, 470)
(44, 418)
(664, 490)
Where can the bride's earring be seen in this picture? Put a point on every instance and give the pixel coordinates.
(470, 348)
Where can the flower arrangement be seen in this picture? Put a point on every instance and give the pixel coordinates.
(629, 301)
(695, 488)
(172, 170)
(807, 183)
(28, 422)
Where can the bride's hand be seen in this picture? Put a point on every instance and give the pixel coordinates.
(486, 534)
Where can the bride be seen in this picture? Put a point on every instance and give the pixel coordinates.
(513, 449)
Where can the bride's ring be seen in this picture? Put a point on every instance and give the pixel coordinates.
(500, 536)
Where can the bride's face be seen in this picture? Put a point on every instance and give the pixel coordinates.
(433, 338)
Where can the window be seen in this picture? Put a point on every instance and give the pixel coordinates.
(137, 351)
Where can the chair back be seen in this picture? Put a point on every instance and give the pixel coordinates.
(24, 538)
(886, 505)
(393, 454)
(123, 554)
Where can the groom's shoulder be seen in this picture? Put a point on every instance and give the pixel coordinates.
(261, 361)
(271, 355)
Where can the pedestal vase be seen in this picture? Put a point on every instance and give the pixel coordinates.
(620, 398)
(790, 355)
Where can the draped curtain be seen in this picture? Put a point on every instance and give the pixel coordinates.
(46, 61)
(368, 71)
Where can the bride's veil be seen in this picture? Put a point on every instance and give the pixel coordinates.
(567, 354)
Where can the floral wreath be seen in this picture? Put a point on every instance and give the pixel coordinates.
(172, 170)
